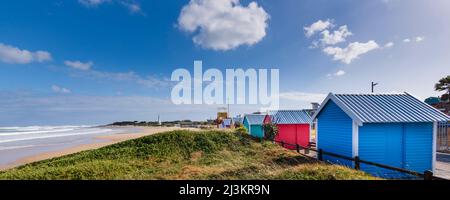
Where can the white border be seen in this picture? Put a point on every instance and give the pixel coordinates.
(355, 139)
(433, 163)
(317, 133)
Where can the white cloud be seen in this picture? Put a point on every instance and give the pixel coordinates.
(351, 52)
(132, 6)
(223, 24)
(153, 82)
(42, 56)
(84, 70)
(14, 55)
(419, 39)
(79, 65)
(333, 37)
(302, 96)
(317, 27)
(328, 37)
(93, 3)
(314, 45)
(338, 73)
(416, 39)
(61, 90)
(389, 45)
(336, 37)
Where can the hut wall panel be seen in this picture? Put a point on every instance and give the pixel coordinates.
(293, 134)
(335, 133)
(257, 131)
(302, 134)
(288, 134)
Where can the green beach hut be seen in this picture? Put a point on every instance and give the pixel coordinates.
(253, 123)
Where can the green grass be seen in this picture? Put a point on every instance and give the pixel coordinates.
(185, 155)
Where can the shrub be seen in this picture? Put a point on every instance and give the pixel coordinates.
(242, 131)
(270, 131)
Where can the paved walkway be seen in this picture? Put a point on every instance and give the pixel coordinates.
(443, 165)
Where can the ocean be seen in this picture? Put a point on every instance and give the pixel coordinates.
(21, 142)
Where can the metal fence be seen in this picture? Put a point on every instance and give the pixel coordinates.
(443, 139)
(357, 162)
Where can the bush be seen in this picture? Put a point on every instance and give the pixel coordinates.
(242, 131)
(270, 131)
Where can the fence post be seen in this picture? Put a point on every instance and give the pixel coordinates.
(428, 175)
(307, 149)
(320, 154)
(298, 148)
(357, 163)
(282, 143)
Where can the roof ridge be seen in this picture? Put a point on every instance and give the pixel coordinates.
(287, 110)
(371, 94)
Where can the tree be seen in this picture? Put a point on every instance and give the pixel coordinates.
(443, 85)
(445, 97)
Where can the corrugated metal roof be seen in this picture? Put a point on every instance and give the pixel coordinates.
(254, 119)
(290, 117)
(384, 108)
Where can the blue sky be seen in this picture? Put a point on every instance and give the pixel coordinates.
(98, 61)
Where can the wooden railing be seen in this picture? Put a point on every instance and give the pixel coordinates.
(427, 175)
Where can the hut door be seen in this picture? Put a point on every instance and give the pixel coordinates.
(417, 148)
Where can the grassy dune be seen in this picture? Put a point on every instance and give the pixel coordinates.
(185, 155)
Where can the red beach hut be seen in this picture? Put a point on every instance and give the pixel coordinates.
(293, 126)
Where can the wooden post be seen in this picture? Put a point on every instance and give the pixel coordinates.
(357, 163)
(307, 149)
(282, 143)
(320, 154)
(298, 148)
(428, 175)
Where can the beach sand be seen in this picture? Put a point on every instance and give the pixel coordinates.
(105, 140)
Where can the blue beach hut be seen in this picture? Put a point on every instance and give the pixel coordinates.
(397, 130)
(253, 123)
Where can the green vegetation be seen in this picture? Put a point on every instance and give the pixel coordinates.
(444, 85)
(185, 155)
(270, 131)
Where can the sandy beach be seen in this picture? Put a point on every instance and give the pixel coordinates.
(101, 141)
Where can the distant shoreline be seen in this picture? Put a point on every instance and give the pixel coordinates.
(105, 140)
